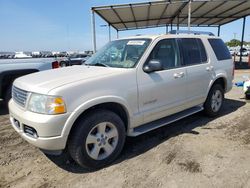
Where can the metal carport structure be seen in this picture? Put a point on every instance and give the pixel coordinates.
(179, 13)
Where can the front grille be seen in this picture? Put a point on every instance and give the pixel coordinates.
(19, 96)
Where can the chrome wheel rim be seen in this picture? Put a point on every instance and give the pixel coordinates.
(101, 140)
(216, 101)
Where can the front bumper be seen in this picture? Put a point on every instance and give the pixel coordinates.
(47, 128)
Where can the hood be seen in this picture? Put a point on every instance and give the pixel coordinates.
(43, 82)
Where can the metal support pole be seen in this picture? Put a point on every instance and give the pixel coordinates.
(93, 31)
(178, 19)
(218, 30)
(109, 33)
(249, 60)
(117, 34)
(171, 26)
(166, 28)
(189, 14)
(242, 38)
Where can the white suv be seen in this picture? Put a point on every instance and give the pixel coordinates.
(127, 88)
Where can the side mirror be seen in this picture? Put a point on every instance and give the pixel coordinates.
(152, 66)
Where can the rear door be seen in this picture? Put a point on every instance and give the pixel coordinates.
(199, 70)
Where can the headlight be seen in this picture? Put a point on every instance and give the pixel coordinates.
(44, 104)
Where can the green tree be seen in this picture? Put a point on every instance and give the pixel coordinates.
(235, 42)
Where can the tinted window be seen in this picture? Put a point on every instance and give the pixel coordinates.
(167, 52)
(194, 51)
(220, 49)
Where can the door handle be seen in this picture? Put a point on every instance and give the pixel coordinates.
(210, 68)
(178, 75)
(181, 74)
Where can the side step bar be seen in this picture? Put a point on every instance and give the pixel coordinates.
(164, 121)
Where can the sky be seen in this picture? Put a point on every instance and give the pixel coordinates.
(65, 25)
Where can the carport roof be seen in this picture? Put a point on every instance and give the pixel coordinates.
(175, 12)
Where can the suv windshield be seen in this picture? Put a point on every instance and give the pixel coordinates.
(120, 53)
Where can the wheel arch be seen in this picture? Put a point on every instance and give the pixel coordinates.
(7, 78)
(116, 105)
(220, 79)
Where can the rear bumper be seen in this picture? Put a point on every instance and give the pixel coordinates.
(48, 128)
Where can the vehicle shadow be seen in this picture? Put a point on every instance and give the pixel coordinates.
(3, 109)
(135, 146)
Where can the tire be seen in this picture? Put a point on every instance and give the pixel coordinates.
(214, 101)
(89, 144)
(7, 96)
(248, 96)
(63, 64)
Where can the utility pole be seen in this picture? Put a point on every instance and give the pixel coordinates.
(93, 30)
(235, 35)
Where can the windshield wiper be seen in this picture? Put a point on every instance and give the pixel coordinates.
(98, 64)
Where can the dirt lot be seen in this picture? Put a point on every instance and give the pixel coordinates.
(194, 152)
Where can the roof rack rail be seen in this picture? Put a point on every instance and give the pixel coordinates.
(191, 32)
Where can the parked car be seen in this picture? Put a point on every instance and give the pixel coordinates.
(148, 82)
(232, 52)
(74, 59)
(22, 55)
(10, 69)
(244, 51)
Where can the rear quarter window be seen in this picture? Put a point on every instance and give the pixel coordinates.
(220, 49)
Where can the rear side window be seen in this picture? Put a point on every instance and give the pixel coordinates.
(220, 49)
(193, 51)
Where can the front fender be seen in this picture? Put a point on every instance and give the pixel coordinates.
(88, 104)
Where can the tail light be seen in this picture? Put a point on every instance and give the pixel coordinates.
(55, 65)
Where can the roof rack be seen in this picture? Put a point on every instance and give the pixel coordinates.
(191, 32)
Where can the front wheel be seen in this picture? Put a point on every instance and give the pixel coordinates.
(7, 96)
(214, 101)
(97, 139)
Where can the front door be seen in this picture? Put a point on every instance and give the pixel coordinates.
(163, 93)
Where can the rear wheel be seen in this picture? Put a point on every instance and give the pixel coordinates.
(214, 101)
(63, 64)
(97, 139)
(247, 96)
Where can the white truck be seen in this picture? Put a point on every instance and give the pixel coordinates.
(129, 87)
(10, 69)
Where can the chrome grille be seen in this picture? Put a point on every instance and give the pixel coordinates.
(19, 96)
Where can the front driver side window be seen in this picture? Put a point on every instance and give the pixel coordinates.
(167, 52)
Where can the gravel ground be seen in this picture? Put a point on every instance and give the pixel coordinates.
(194, 152)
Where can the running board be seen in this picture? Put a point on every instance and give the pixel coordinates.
(164, 121)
